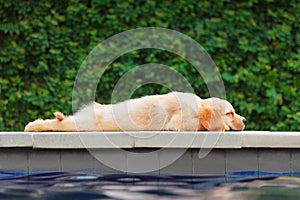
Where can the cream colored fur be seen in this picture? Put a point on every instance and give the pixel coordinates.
(174, 111)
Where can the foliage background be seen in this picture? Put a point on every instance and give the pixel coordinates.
(255, 44)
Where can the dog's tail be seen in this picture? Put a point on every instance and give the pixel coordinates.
(59, 116)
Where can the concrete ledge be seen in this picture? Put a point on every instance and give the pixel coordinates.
(271, 139)
(149, 139)
(159, 153)
(15, 139)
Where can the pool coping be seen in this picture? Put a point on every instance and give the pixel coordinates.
(150, 139)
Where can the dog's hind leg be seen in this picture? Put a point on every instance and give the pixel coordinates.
(60, 123)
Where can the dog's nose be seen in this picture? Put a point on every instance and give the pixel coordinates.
(244, 121)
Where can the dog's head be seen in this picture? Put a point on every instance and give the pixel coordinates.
(219, 115)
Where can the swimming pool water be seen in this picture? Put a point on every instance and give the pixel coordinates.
(79, 185)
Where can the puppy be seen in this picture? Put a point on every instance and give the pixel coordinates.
(174, 111)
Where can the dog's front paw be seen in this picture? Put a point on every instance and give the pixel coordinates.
(34, 126)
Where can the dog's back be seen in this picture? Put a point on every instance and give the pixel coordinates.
(172, 111)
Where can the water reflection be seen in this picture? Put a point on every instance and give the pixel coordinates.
(76, 185)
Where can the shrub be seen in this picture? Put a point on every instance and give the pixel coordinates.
(255, 44)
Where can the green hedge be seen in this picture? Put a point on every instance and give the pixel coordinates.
(255, 44)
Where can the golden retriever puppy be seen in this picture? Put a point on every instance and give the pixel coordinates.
(174, 111)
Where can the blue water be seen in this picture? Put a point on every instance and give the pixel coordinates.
(78, 185)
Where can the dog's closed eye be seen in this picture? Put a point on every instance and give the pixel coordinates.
(230, 114)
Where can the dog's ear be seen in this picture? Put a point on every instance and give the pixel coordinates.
(205, 118)
(211, 120)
